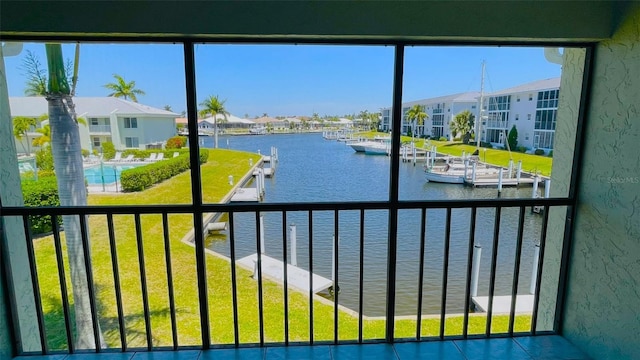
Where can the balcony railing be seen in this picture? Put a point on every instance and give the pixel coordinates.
(100, 128)
(141, 245)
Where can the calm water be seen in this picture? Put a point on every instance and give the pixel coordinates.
(314, 169)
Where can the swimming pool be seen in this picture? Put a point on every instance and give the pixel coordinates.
(107, 174)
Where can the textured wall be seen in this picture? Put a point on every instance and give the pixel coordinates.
(603, 301)
(565, 138)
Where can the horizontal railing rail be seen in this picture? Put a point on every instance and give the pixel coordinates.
(246, 235)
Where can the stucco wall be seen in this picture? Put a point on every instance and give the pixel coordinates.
(602, 312)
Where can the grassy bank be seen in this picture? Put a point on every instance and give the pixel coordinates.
(530, 163)
(221, 164)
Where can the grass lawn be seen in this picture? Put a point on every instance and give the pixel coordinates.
(221, 164)
(530, 163)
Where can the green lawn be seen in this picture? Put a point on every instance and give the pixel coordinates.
(530, 163)
(177, 190)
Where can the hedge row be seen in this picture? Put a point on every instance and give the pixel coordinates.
(43, 192)
(143, 177)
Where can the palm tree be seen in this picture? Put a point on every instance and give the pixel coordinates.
(67, 158)
(417, 115)
(214, 106)
(462, 125)
(21, 126)
(124, 89)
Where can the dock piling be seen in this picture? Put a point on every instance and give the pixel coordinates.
(475, 269)
(534, 191)
(547, 188)
(473, 173)
(230, 179)
(500, 182)
(519, 172)
(534, 271)
(510, 173)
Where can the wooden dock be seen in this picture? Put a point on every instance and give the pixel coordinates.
(502, 304)
(245, 195)
(493, 182)
(296, 277)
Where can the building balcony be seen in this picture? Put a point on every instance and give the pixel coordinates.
(100, 129)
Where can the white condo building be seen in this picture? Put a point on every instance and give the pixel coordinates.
(127, 124)
(531, 107)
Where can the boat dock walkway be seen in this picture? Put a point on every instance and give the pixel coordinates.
(274, 269)
(493, 182)
(502, 304)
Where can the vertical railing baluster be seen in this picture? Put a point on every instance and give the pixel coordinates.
(116, 282)
(167, 259)
(286, 279)
(234, 285)
(423, 225)
(259, 268)
(467, 294)
(494, 261)
(36, 285)
(89, 272)
(361, 277)
(536, 296)
(445, 273)
(143, 281)
(336, 287)
(311, 293)
(63, 283)
(516, 270)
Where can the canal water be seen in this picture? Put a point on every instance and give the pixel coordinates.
(312, 169)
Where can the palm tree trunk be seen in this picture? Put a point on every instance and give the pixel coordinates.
(67, 158)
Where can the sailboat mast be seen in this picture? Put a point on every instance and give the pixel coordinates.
(479, 119)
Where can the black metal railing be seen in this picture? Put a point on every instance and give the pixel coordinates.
(285, 211)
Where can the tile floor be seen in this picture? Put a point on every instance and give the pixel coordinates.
(525, 348)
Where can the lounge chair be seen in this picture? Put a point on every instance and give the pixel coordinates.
(118, 157)
(129, 158)
(152, 157)
(176, 154)
(160, 157)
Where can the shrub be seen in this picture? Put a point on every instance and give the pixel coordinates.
(486, 145)
(108, 151)
(44, 158)
(43, 192)
(550, 154)
(85, 152)
(442, 138)
(539, 152)
(521, 149)
(143, 177)
(176, 142)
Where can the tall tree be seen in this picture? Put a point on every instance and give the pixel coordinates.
(123, 89)
(67, 158)
(214, 106)
(417, 115)
(461, 125)
(512, 138)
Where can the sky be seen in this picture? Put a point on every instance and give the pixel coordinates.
(288, 80)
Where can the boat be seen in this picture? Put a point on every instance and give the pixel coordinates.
(257, 130)
(453, 177)
(376, 148)
(360, 145)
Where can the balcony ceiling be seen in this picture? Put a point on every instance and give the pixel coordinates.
(377, 20)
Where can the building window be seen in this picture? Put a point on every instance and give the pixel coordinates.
(131, 142)
(528, 116)
(473, 106)
(94, 121)
(517, 117)
(548, 99)
(517, 98)
(130, 123)
(96, 142)
(530, 97)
